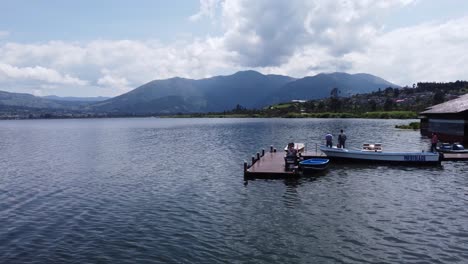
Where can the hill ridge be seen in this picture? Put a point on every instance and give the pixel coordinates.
(249, 89)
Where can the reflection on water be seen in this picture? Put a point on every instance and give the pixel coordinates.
(171, 190)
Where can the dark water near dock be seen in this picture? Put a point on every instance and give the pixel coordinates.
(171, 191)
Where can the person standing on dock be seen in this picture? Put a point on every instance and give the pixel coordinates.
(434, 141)
(291, 158)
(292, 151)
(329, 140)
(342, 139)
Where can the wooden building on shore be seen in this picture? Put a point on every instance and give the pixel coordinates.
(449, 120)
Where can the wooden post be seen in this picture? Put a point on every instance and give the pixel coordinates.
(245, 167)
(274, 150)
(263, 152)
(253, 160)
(258, 156)
(271, 149)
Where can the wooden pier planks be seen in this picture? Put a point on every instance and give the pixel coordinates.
(271, 164)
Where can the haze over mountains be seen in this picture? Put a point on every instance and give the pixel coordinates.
(76, 99)
(249, 89)
(46, 102)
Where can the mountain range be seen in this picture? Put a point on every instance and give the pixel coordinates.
(250, 89)
(46, 102)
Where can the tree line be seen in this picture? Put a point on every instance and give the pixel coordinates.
(409, 99)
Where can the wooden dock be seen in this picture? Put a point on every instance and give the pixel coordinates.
(270, 165)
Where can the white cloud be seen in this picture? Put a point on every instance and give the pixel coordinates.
(114, 83)
(296, 38)
(37, 73)
(123, 64)
(267, 33)
(208, 9)
(428, 52)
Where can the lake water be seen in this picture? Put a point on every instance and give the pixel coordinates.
(155, 190)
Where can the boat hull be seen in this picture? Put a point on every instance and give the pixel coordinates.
(452, 151)
(381, 157)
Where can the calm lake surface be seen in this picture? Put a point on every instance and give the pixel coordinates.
(155, 190)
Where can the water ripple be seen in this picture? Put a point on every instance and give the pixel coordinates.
(171, 191)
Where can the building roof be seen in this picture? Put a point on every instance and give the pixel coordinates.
(453, 106)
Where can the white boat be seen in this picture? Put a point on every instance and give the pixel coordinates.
(297, 146)
(375, 153)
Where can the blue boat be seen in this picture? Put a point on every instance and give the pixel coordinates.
(313, 165)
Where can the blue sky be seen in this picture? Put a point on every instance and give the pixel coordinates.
(91, 48)
(39, 21)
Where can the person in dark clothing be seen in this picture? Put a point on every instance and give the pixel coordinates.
(342, 139)
(291, 151)
(329, 140)
(291, 158)
(434, 141)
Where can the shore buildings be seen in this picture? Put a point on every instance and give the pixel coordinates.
(449, 120)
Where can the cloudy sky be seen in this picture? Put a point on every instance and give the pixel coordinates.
(108, 47)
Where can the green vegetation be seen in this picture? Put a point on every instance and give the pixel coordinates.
(412, 125)
(403, 103)
(377, 115)
(283, 105)
(391, 115)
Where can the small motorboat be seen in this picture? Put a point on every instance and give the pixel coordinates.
(374, 153)
(452, 148)
(313, 165)
(299, 147)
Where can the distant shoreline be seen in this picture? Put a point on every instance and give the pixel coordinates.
(344, 115)
(366, 115)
